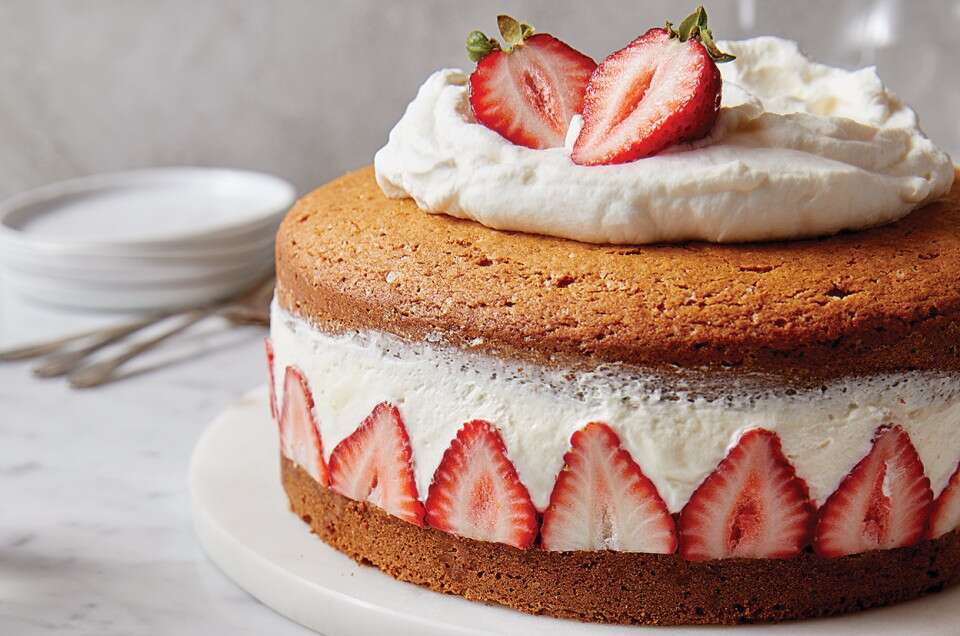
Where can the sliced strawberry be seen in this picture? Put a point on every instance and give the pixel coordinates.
(268, 344)
(299, 433)
(528, 92)
(603, 501)
(374, 463)
(753, 505)
(662, 89)
(883, 503)
(945, 513)
(476, 492)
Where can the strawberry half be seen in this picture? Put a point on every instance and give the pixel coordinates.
(476, 492)
(268, 345)
(662, 89)
(883, 503)
(529, 91)
(603, 501)
(374, 463)
(945, 513)
(752, 506)
(299, 434)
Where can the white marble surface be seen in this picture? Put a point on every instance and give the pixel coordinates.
(95, 527)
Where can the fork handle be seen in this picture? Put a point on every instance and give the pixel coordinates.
(66, 361)
(37, 349)
(100, 372)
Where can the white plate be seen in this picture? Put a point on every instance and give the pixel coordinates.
(205, 249)
(243, 520)
(146, 208)
(149, 239)
(106, 272)
(141, 297)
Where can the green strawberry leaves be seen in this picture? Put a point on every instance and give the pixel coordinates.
(512, 30)
(479, 46)
(694, 27)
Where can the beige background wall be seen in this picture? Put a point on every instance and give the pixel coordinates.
(308, 89)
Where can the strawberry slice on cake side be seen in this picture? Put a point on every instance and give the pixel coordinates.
(529, 91)
(268, 345)
(476, 492)
(375, 464)
(662, 89)
(299, 433)
(945, 513)
(752, 506)
(883, 502)
(603, 501)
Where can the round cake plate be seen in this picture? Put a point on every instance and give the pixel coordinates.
(243, 521)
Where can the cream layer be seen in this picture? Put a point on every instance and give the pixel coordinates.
(675, 435)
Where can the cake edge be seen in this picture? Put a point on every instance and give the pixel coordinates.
(319, 280)
(619, 587)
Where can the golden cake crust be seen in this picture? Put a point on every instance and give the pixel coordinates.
(881, 300)
(621, 587)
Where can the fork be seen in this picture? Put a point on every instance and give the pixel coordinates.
(250, 307)
(253, 303)
(63, 362)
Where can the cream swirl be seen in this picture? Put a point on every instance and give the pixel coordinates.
(799, 150)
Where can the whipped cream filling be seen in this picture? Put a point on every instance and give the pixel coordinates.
(799, 150)
(676, 439)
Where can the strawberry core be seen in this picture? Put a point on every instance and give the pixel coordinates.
(876, 520)
(483, 504)
(634, 95)
(541, 96)
(746, 518)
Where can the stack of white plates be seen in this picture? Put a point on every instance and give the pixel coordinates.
(149, 239)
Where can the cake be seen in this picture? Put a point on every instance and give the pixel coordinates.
(619, 393)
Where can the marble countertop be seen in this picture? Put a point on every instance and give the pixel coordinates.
(95, 529)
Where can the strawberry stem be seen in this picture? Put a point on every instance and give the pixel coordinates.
(479, 46)
(513, 31)
(694, 27)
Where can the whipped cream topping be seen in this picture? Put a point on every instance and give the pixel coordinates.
(676, 439)
(799, 150)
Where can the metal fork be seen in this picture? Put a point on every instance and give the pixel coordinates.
(63, 362)
(251, 307)
(101, 372)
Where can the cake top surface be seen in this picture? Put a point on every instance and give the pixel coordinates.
(886, 299)
(798, 149)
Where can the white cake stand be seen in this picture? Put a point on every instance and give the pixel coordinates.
(242, 520)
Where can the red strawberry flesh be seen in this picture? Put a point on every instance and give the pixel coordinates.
(299, 433)
(883, 503)
(945, 514)
(476, 492)
(752, 506)
(374, 463)
(268, 345)
(530, 93)
(654, 93)
(603, 501)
